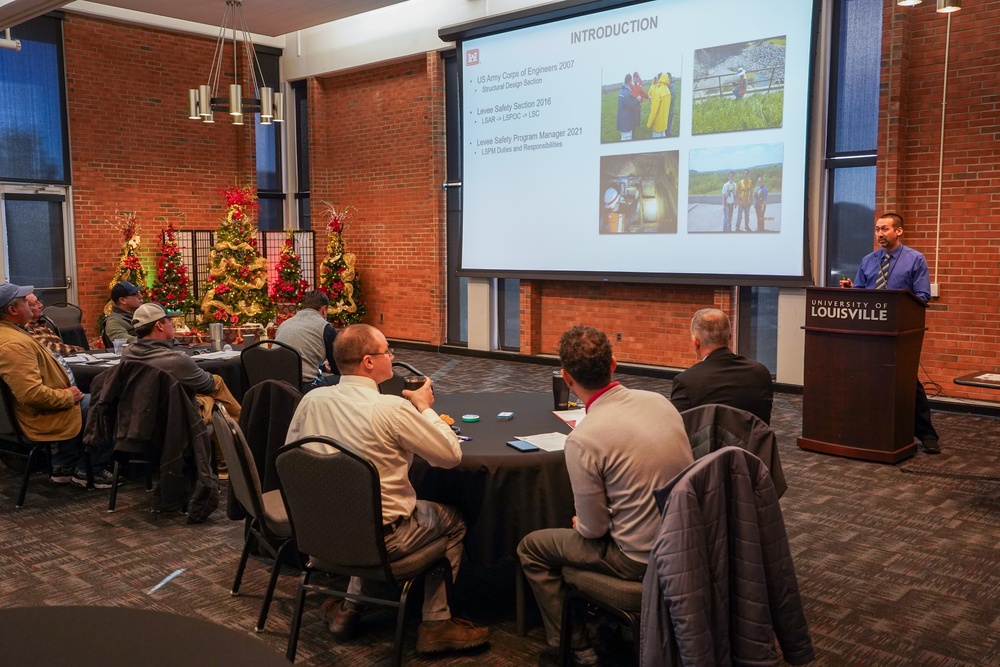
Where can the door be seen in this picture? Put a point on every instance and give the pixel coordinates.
(35, 241)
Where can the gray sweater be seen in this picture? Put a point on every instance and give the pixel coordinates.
(162, 355)
(631, 443)
(305, 332)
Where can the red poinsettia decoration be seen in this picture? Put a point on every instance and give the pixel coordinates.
(239, 196)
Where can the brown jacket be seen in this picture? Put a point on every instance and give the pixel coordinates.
(43, 403)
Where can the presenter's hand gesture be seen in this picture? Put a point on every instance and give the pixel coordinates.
(846, 282)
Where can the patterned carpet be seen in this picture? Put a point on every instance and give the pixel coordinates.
(898, 565)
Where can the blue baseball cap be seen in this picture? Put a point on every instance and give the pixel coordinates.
(122, 289)
(10, 291)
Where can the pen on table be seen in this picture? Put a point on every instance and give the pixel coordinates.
(464, 438)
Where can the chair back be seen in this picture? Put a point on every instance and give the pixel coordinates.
(9, 428)
(243, 477)
(714, 426)
(396, 383)
(334, 502)
(271, 360)
(63, 314)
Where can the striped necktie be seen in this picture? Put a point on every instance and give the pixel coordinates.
(883, 273)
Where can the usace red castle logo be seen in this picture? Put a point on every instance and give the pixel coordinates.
(472, 57)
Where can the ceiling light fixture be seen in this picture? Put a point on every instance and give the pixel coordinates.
(204, 100)
(908, 3)
(945, 6)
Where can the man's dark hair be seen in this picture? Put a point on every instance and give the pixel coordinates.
(628, 78)
(711, 327)
(585, 353)
(897, 219)
(314, 300)
(145, 329)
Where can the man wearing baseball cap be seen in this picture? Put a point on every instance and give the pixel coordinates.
(47, 405)
(155, 346)
(125, 298)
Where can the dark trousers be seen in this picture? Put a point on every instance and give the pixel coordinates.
(923, 429)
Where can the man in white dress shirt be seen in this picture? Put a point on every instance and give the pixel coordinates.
(389, 430)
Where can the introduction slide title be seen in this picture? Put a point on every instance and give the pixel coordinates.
(616, 30)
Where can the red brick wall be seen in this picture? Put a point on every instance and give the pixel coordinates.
(376, 142)
(133, 147)
(654, 320)
(962, 323)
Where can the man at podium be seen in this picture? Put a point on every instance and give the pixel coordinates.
(895, 266)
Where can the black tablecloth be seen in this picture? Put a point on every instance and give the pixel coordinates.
(502, 493)
(102, 636)
(228, 369)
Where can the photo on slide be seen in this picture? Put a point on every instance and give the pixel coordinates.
(639, 193)
(739, 86)
(735, 189)
(636, 107)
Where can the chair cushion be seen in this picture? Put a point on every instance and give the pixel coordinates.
(612, 591)
(404, 568)
(275, 514)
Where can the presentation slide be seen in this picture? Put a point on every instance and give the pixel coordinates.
(658, 139)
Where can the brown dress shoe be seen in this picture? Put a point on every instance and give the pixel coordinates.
(342, 617)
(452, 634)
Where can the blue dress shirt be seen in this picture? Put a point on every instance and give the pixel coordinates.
(907, 270)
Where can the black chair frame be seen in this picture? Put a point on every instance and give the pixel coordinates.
(14, 443)
(387, 575)
(292, 378)
(571, 600)
(120, 459)
(394, 385)
(254, 526)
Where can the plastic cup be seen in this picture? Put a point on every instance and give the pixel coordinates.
(119, 344)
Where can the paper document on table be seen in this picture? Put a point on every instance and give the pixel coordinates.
(571, 417)
(224, 354)
(989, 377)
(79, 358)
(550, 442)
(105, 355)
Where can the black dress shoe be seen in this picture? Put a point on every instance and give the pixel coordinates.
(931, 446)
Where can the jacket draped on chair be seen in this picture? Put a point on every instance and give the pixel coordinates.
(721, 583)
(140, 409)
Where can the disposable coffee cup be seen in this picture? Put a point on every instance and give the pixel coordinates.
(215, 336)
(248, 339)
(119, 344)
(560, 391)
(413, 382)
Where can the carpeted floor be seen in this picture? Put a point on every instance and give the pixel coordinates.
(898, 565)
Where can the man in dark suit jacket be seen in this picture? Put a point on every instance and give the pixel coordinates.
(722, 376)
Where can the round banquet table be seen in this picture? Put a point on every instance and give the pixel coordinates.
(502, 493)
(101, 636)
(229, 370)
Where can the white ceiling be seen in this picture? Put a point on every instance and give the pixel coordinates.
(263, 17)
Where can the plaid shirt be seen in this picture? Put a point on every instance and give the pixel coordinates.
(50, 339)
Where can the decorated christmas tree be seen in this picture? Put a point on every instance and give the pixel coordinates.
(129, 264)
(289, 285)
(172, 287)
(236, 288)
(338, 277)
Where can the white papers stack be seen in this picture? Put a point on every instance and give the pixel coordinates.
(550, 442)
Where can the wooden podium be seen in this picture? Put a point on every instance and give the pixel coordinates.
(862, 351)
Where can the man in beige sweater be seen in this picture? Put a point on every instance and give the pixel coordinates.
(630, 443)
